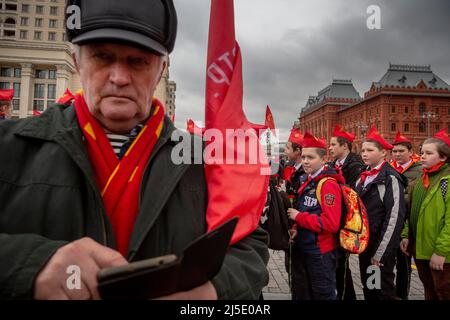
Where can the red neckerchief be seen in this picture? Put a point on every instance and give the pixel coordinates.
(119, 181)
(400, 169)
(425, 178)
(288, 173)
(370, 173)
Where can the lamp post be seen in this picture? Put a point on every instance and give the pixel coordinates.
(429, 115)
(363, 128)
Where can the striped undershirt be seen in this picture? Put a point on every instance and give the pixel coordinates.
(120, 142)
(117, 141)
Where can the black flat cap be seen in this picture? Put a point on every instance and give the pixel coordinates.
(151, 24)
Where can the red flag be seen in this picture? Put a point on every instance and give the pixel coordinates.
(6, 94)
(224, 110)
(269, 121)
(193, 128)
(36, 113)
(66, 98)
(173, 118)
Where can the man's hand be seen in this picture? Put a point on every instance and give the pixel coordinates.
(404, 246)
(292, 213)
(376, 263)
(89, 256)
(204, 292)
(437, 262)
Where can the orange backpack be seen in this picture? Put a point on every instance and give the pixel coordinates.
(354, 226)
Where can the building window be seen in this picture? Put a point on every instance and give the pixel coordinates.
(39, 90)
(422, 127)
(64, 37)
(4, 85)
(52, 36)
(38, 105)
(41, 74)
(16, 87)
(39, 9)
(16, 104)
(17, 73)
(406, 110)
(393, 127)
(51, 94)
(437, 127)
(52, 23)
(24, 21)
(52, 74)
(38, 22)
(9, 33)
(6, 72)
(23, 34)
(406, 128)
(11, 7)
(25, 8)
(54, 11)
(393, 109)
(37, 35)
(422, 108)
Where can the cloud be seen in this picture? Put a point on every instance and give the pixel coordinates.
(292, 49)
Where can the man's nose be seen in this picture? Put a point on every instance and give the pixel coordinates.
(120, 74)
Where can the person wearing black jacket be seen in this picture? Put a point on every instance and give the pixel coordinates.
(382, 192)
(351, 166)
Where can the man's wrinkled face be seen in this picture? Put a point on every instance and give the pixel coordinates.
(118, 83)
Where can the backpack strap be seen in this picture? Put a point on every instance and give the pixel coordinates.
(319, 188)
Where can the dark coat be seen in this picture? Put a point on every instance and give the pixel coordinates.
(385, 203)
(352, 168)
(48, 197)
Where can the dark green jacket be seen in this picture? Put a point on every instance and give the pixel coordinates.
(48, 197)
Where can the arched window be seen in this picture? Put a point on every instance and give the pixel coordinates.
(10, 21)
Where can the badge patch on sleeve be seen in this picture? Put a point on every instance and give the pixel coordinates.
(329, 199)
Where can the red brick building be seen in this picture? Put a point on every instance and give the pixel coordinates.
(411, 99)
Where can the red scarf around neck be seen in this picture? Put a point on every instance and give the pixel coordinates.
(370, 173)
(119, 181)
(425, 177)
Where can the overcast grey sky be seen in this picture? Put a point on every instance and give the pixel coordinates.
(293, 48)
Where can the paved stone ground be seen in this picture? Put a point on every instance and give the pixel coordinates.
(278, 287)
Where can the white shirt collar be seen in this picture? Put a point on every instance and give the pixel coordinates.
(297, 166)
(406, 164)
(378, 166)
(317, 173)
(341, 162)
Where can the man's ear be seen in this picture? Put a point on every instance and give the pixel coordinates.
(164, 64)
